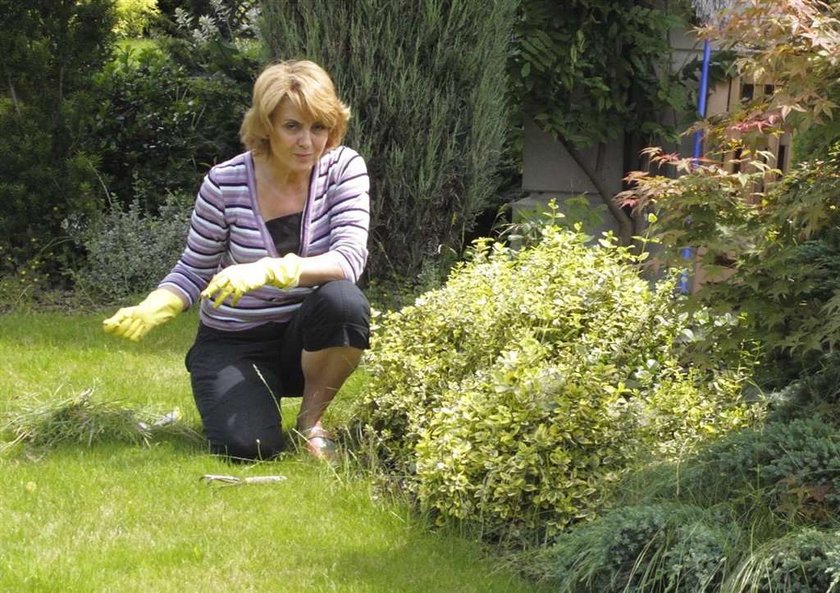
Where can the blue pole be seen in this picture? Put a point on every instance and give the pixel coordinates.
(701, 101)
(697, 152)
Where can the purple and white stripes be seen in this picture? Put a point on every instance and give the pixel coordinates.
(226, 228)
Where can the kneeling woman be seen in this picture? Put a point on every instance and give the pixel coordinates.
(277, 241)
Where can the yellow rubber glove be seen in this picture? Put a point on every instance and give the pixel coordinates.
(135, 322)
(234, 281)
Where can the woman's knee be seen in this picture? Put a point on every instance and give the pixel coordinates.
(340, 301)
(241, 419)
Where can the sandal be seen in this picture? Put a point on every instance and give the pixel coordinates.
(319, 444)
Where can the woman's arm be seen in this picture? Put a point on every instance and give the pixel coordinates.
(206, 243)
(346, 223)
(319, 269)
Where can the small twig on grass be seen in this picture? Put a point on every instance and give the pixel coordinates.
(235, 481)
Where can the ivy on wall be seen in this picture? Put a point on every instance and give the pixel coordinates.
(594, 71)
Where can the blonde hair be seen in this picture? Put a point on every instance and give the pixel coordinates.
(311, 91)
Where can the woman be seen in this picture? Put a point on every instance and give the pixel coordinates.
(277, 241)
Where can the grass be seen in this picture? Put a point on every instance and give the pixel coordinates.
(119, 516)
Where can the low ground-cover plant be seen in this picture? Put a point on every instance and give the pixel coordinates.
(657, 547)
(516, 396)
(675, 548)
(768, 503)
(803, 561)
(789, 469)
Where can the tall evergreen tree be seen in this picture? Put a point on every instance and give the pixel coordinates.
(427, 84)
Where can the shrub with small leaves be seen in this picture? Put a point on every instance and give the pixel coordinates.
(160, 126)
(128, 250)
(516, 396)
(526, 446)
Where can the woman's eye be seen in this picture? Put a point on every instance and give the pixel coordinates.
(319, 127)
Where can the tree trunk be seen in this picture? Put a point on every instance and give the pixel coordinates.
(14, 97)
(625, 225)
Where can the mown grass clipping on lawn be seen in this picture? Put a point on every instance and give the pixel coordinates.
(96, 511)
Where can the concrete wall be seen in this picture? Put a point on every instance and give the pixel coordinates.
(550, 172)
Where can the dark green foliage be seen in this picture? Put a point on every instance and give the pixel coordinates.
(161, 119)
(775, 478)
(50, 49)
(426, 82)
(674, 548)
(589, 70)
(814, 142)
(49, 54)
(80, 128)
(197, 7)
(159, 128)
(218, 39)
(166, 116)
(40, 184)
(755, 511)
(815, 395)
(517, 395)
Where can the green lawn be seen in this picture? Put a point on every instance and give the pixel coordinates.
(121, 517)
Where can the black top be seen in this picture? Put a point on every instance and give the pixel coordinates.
(285, 232)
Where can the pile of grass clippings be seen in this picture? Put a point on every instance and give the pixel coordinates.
(80, 419)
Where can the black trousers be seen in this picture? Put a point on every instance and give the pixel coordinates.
(239, 377)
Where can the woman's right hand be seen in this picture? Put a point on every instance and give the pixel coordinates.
(135, 322)
(236, 280)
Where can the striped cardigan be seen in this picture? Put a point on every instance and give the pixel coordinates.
(226, 228)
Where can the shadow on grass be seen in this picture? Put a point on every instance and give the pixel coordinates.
(424, 561)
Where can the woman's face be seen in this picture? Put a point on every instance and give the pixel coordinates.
(297, 142)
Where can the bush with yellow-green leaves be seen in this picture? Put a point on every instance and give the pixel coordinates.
(134, 16)
(517, 395)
